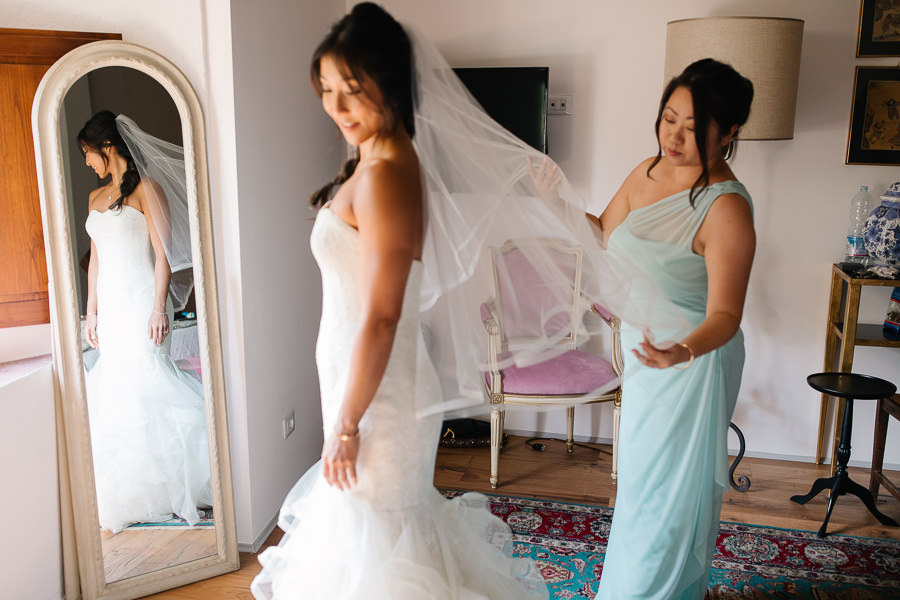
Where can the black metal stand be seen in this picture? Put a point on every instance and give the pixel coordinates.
(744, 484)
(841, 483)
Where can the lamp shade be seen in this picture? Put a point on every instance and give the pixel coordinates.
(765, 50)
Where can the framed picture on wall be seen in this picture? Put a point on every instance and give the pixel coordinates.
(879, 28)
(875, 117)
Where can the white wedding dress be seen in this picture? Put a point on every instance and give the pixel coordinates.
(147, 416)
(392, 536)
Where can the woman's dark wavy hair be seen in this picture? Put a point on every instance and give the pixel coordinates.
(719, 94)
(101, 132)
(369, 43)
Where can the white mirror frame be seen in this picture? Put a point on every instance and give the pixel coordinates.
(66, 328)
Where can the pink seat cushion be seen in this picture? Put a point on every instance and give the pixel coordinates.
(571, 373)
(190, 364)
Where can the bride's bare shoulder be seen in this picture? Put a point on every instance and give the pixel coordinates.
(391, 179)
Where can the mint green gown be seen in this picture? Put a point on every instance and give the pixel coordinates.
(673, 463)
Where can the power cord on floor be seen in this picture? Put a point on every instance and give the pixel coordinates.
(538, 447)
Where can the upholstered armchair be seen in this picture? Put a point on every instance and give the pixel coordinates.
(515, 313)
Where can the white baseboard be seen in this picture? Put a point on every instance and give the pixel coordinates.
(261, 538)
(808, 458)
(731, 451)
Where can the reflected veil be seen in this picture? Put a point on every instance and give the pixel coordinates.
(162, 163)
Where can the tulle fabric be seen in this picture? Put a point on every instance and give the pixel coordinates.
(434, 549)
(480, 192)
(161, 167)
(147, 416)
(148, 438)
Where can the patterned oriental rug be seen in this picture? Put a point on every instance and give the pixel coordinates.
(207, 521)
(568, 541)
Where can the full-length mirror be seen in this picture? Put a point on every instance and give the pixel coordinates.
(121, 152)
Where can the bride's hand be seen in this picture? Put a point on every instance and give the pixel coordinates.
(339, 461)
(158, 327)
(90, 331)
(546, 178)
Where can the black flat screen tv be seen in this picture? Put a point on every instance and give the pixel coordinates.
(515, 97)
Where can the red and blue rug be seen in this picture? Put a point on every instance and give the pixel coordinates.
(207, 521)
(568, 541)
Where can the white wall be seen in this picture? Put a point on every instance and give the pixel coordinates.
(286, 147)
(31, 563)
(610, 56)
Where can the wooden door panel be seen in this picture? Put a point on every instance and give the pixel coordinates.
(25, 55)
(22, 256)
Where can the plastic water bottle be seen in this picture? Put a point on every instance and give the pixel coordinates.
(860, 207)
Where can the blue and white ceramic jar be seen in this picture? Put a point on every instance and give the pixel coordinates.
(882, 235)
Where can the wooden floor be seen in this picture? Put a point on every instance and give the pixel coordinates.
(138, 550)
(584, 477)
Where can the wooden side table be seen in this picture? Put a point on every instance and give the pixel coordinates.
(842, 335)
(887, 408)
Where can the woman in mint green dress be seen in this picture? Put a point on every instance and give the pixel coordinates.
(687, 222)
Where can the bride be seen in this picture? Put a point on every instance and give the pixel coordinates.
(147, 417)
(366, 521)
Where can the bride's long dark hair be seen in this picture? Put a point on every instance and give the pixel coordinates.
(371, 44)
(101, 132)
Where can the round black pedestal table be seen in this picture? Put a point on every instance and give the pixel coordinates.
(851, 386)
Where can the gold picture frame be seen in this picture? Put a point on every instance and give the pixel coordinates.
(874, 137)
(879, 28)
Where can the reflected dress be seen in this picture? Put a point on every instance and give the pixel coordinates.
(392, 536)
(147, 416)
(673, 462)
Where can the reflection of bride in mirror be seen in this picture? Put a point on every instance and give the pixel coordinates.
(147, 417)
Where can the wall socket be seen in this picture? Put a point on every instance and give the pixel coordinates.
(559, 105)
(287, 425)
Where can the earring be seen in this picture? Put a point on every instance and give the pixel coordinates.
(728, 149)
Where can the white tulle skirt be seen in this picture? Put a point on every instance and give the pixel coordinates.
(148, 437)
(339, 547)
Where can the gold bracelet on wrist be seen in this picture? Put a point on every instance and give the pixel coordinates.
(346, 437)
(690, 360)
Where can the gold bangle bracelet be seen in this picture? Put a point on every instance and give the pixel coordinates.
(690, 360)
(346, 437)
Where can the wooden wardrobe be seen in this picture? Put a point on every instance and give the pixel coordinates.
(25, 55)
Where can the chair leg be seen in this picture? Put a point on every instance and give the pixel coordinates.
(617, 411)
(496, 439)
(570, 429)
(880, 437)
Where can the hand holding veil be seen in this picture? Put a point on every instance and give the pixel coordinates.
(479, 193)
(162, 163)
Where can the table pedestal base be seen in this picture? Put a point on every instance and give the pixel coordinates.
(840, 483)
